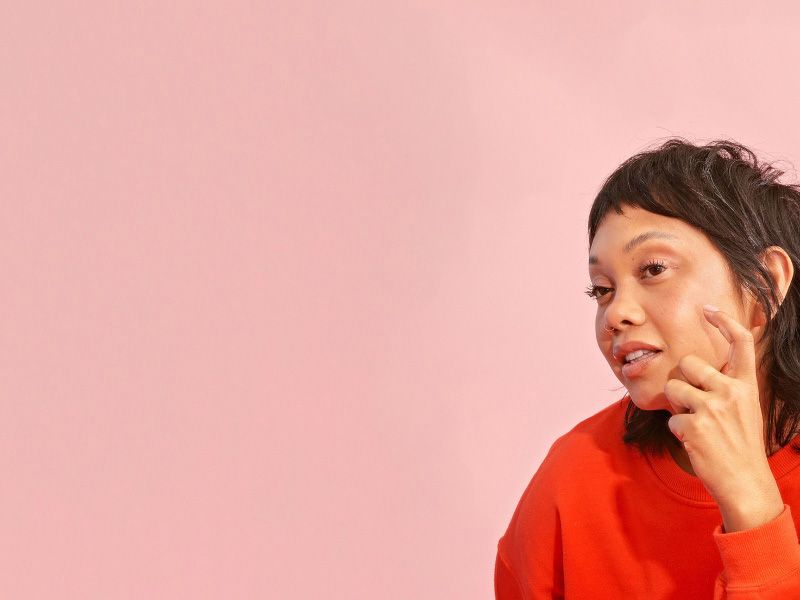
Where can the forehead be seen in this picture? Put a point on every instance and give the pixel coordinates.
(619, 234)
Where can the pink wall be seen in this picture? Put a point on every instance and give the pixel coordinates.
(293, 294)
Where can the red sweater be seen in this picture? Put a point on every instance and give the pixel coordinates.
(598, 520)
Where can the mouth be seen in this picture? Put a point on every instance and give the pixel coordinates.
(637, 366)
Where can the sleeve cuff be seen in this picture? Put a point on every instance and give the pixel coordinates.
(759, 555)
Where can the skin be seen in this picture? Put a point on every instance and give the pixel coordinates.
(663, 306)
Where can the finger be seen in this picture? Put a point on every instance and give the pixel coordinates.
(683, 397)
(700, 373)
(678, 425)
(742, 356)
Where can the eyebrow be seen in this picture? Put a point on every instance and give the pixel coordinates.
(640, 239)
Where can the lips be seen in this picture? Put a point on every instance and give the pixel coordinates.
(621, 350)
(639, 366)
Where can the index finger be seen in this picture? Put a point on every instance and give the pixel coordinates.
(742, 357)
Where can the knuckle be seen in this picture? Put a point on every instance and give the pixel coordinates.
(710, 376)
(739, 390)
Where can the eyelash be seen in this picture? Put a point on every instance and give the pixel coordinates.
(591, 291)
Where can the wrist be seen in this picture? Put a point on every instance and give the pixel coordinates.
(750, 510)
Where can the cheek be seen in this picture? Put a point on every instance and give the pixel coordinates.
(600, 335)
(687, 331)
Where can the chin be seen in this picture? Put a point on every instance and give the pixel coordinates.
(649, 401)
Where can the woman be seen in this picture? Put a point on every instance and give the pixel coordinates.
(687, 487)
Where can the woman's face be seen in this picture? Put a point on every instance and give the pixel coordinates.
(652, 290)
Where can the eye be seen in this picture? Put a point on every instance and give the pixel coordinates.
(597, 292)
(592, 291)
(653, 263)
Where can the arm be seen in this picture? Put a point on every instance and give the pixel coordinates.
(529, 555)
(762, 503)
(506, 586)
(759, 563)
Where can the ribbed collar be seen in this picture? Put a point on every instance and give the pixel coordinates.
(690, 487)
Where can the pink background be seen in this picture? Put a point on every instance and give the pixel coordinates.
(293, 293)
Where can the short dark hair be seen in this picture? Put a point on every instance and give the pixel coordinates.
(722, 189)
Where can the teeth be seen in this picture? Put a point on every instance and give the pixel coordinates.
(634, 355)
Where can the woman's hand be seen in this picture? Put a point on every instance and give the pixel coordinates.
(718, 418)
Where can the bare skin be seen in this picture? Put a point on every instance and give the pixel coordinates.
(681, 457)
(660, 306)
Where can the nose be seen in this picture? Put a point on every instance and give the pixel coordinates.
(622, 310)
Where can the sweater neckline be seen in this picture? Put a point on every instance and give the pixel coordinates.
(781, 462)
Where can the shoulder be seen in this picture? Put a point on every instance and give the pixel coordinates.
(586, 454)
(583, 463)
(600, 433)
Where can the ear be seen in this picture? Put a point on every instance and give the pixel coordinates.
(779, 264)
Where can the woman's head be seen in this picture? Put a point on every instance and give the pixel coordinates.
(729, 235)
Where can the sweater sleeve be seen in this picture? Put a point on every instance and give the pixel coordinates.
(529, 555)
(506, 586)
(762, 563)
(541, 579)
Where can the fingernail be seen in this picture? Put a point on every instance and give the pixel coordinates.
(710, 308)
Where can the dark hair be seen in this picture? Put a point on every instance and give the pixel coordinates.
(723, 190)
